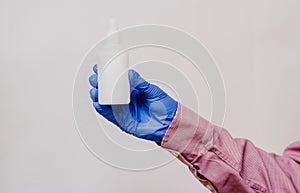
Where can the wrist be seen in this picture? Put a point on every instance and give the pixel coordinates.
(160, 133)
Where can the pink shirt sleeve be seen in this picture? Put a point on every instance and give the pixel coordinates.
(228, 165)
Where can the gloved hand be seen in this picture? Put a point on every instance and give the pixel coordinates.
(147, 116)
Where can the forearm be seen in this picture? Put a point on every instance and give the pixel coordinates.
(214, 157)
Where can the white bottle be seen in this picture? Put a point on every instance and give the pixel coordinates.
(113, 81)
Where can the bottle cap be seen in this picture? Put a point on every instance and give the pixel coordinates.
(112, 26)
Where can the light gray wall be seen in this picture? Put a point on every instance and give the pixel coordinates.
(255, 43)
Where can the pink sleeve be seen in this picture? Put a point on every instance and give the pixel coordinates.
(228, 165)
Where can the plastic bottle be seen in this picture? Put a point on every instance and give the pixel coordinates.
(113, 81)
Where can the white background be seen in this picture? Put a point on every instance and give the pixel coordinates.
(256, 44)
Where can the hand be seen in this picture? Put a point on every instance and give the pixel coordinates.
(147, 116)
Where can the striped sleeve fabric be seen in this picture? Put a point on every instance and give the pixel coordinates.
(227, 165)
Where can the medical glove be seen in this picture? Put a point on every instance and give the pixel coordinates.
(147, 116)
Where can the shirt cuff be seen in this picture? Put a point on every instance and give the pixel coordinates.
(188, 132)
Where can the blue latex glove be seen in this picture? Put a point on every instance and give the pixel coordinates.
(147, 116)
